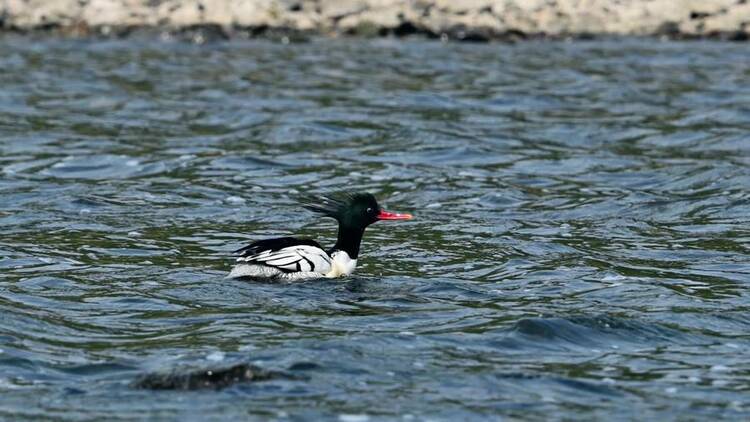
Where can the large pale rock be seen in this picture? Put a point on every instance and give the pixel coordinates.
(37, 13)
(109, 13)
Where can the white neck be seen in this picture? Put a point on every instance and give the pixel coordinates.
(341, 264)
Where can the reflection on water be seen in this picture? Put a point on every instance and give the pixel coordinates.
(580, 245)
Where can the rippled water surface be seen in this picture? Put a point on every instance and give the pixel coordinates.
(580, 247)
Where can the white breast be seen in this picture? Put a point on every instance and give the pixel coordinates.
(341, 265)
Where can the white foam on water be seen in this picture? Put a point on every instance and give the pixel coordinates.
(719, 368)
(354, 418)
(235, 200)
(215, 356)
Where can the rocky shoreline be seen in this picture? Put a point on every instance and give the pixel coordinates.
(466, 20)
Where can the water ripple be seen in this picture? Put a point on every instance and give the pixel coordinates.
(580, 246)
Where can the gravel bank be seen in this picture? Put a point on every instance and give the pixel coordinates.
(466, 19)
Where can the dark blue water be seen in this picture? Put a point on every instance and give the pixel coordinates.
(580, 248)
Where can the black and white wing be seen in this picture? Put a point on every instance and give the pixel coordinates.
(287, 254)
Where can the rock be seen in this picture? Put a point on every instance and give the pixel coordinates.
(476, 20)
(197, 379)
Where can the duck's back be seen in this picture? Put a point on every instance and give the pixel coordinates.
(285, 258)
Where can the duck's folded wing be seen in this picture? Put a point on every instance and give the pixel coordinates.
(287, 254)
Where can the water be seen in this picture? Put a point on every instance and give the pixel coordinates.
(580, 247)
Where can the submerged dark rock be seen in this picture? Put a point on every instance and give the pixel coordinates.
(214, 378)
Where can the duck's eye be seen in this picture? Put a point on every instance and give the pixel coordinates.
(369, 210)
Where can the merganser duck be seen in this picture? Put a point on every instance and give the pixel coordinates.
(290, 259)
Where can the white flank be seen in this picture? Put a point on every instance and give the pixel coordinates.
(301, 262)
(302, 258)
(260, 271)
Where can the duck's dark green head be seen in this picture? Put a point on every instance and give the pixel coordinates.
(357, 210)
